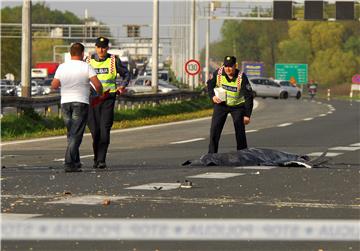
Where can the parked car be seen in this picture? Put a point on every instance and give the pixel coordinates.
(264, 87)
(36, 89)
(8, 88)
(143, 85)
(289, 89)
(46, 84)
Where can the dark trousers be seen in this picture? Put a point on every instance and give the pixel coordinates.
(75, 116)
(217, 124)
(101, 118)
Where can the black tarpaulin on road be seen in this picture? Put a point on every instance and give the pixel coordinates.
(256, 157)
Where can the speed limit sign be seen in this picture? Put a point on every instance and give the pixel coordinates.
(192, 67)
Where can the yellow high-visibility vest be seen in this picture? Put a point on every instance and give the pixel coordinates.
(232, 89)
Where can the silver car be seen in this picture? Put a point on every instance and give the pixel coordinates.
(143, 85)
(289, 89)
(264, 87)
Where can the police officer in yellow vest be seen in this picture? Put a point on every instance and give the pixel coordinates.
(101, 116)
(233, 86)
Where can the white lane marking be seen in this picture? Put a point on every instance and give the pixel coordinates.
(285, 124)
(256, 167)
(116, 229)
(81, 157)
(156, 186)
(355, 144)
(27, 196)
(345, 148)
(248, 131)
(8, 156)
(308, 119)
(322, 115)
(8, 216)
(319, 103)
(86, 199)
(329, 154)
(211, 175)
(330, 112)
(186, 141)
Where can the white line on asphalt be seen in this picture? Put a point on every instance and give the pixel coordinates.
(187, 141)
(8, 216)
(256, 167)
(329, 154)
(211, 175)
(248, 131)
(308, 119)
(285, 124)
(87, 200)
(345, 148)
(81, 157)
(355, 144)
(322, 115)
(156, 186)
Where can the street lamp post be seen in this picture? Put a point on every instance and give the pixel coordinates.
(155, 46)
(26, 49)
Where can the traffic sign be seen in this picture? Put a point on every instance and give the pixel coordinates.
(192, 67)
(356, 79)
(297, 73)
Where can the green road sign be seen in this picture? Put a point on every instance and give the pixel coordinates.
(295, 73)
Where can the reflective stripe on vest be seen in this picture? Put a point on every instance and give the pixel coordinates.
(106, 72)
(232, 89)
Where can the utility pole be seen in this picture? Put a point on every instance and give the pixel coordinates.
(155, 46)
(207, 46)
(26, 49)
(192, 39)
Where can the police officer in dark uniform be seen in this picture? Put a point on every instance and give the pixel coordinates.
(239, 102)
(101, 116)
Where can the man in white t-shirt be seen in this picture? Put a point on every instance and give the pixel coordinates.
(73, 77)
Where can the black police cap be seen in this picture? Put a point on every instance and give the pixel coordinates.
(102, 42)
(229, 61)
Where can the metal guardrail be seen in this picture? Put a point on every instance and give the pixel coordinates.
(124, 101)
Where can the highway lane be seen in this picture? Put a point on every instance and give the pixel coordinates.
(143, 156)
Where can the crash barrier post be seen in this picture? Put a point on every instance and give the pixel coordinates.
(354, 87)
(328, 94)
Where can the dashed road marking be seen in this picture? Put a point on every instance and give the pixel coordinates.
(256, 167)
(86, 199)
(322, 115)
(186, 141)
(211, 175)
(248, 131)
(156, 186)
(81, 157)
(329, 154)
(345, 148)
(285, 124)
(308, 119)
(355, 144)
(9, 216)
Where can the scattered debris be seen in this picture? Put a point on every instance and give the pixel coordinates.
(106, 202)
(158, 188)
(186, 184)
(67, 193)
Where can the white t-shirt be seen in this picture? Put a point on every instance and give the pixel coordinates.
(74, 79)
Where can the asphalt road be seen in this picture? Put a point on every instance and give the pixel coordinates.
(35, 186)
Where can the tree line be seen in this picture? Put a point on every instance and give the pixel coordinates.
(42, 48)
(331, 49)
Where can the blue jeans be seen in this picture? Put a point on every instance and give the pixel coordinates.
(75, 117)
